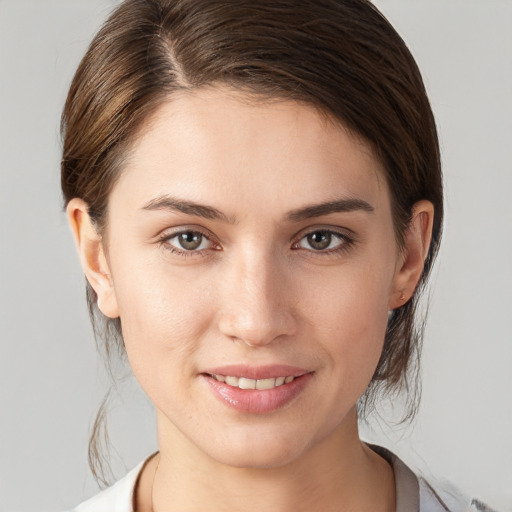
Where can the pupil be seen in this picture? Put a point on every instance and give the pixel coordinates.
(190, 240)
(319, 240)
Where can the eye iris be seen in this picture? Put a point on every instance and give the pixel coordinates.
(319, 240)
(190, 240)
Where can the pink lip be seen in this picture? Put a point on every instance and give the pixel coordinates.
(253, 400)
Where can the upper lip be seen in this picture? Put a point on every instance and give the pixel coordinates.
(257, 372)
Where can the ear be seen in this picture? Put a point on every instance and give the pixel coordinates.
(416, 245)
(92, 256)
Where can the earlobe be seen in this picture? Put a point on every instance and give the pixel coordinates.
(416, 246)
(92, 256)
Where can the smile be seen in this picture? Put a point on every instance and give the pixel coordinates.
(257, 390)
(260, 384)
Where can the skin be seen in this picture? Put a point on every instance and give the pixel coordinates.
(256, 291)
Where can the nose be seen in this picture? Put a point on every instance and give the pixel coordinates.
(257, 300)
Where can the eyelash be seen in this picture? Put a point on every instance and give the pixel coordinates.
(165, 239)
(345, 243)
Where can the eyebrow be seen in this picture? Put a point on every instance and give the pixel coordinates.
(187, 207)
(209, 212)
(336, 206)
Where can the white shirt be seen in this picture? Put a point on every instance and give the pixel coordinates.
(413, 494)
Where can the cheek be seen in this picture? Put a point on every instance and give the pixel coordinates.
(349, 314)
(163, 317)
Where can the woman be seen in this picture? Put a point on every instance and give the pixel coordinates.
(256, 196)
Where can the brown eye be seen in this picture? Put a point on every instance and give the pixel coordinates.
(323, 240)
(319, 240)
(189, 241)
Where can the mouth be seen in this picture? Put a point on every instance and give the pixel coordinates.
(260, 384)
(257, 389)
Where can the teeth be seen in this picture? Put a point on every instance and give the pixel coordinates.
(280, 381)
(243, 383)
(232, 381)
(265, 383)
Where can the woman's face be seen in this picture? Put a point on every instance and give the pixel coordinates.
(251, 242)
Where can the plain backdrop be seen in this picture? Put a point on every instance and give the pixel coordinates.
(51, 381)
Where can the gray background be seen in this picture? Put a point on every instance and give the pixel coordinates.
(51, 380)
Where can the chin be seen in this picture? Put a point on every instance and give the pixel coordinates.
(255, 457)
(254, 448)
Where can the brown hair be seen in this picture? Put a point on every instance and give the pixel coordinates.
(341, 56)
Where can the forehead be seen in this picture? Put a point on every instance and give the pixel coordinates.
(227, 148)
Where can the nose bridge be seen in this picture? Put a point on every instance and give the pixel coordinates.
(257, 303)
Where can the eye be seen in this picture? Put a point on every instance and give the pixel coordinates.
(322, 240)
(189, 241)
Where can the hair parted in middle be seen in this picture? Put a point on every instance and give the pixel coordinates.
(340, 56)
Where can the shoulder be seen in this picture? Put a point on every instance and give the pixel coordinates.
(450, 499)
(117, 498)
(415, 493)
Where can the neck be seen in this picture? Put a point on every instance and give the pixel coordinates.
(338, 473)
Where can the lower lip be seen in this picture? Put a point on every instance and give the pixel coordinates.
(254, 400)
